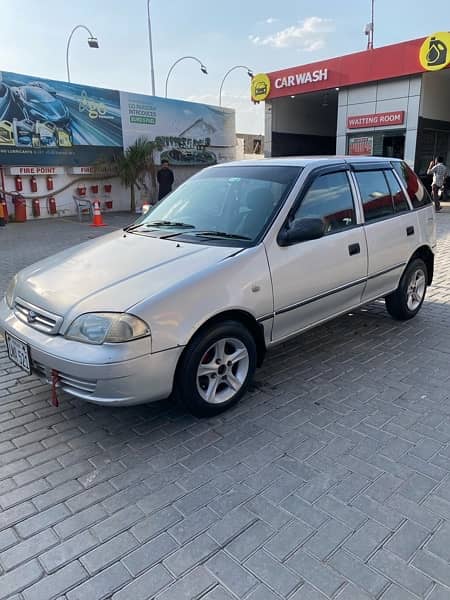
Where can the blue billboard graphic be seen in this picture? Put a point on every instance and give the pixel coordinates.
(45, 122)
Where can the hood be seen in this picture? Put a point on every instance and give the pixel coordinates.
(113, 273)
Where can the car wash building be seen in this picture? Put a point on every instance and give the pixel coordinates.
(392, 101)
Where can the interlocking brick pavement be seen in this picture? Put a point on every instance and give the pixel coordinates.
(330, 481)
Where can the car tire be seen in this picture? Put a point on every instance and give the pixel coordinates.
(406, 301)
(216, 369)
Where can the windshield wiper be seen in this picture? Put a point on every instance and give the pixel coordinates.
(222, 234)
(169, 224)
(160, 224)
(132, 227)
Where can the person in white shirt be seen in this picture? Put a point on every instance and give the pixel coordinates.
(439, 172)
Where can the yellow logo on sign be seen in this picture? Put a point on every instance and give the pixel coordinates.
(260, 87)
(435, 51)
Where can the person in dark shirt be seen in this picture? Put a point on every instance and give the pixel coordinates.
(165, 179)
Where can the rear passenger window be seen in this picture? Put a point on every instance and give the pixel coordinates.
(415, 188)
(398, 197)
(375, 195)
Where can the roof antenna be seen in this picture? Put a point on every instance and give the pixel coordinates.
(368, 29)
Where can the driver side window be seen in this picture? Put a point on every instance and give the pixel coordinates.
(329, 198)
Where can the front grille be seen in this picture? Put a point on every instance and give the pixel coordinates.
(37, 318)
(68, 383)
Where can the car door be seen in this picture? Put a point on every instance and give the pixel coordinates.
(390, 225)
(316, 279)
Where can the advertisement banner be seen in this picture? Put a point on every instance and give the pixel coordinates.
(360, 146)
(45, 122)
(189, 133)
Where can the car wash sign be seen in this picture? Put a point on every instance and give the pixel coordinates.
(387, 62)
(301, 78)
(385, 119)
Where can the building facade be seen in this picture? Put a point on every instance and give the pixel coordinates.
(392, 101)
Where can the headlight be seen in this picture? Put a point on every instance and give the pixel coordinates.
(9, 295)
(100, 328)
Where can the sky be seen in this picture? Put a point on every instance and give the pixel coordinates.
(264, 35)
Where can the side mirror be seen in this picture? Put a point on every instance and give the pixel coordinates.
(301, 230)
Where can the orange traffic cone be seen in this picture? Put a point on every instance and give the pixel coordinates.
(97, 220)
(2, 216)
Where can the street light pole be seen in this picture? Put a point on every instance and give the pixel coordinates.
(203, 69)
(92, 42)
(150, 46)
(249, 73)
(373, 24)
(369, 29)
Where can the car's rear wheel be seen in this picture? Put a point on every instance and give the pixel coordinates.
(216, 369)
(406, 301)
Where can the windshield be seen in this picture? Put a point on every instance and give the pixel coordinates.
(38, 95)
(225, 202)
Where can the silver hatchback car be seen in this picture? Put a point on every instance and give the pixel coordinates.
(186, 301)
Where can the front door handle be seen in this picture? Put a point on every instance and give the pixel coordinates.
(410, 230)
(354, 249)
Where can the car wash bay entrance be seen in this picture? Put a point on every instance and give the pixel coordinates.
(305, 124)
(380, 102)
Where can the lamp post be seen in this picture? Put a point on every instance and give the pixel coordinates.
(92, 43)
(203, 69)
(150, 46)
(249, 73)
(369, 28)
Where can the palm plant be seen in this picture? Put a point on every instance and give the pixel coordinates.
(134, 164)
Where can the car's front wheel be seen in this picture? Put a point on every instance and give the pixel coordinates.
(405, 302)
(216, 369)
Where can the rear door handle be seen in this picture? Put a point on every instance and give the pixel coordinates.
(354, 249)
(410, 230)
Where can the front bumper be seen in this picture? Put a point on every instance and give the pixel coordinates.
(110, 374)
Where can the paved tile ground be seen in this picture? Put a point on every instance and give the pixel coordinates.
(331, 480)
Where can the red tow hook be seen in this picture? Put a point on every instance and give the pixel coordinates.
(55, 380)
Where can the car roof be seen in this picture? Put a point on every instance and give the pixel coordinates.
(308, 161)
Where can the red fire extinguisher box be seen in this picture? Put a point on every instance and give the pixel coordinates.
(51, 206)
(36, 207)
(20, 209)
(107, 187)
(81, 190)
(94, 189)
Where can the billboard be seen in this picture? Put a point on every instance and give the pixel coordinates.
(189, 133)
(45, 122)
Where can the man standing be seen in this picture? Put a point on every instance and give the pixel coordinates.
(165, 179)
(439, 172)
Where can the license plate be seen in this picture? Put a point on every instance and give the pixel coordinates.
(18, 352)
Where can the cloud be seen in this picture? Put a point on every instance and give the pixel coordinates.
(268, 21)
(308, 35)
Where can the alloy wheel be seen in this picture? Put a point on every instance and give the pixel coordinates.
(223, 370)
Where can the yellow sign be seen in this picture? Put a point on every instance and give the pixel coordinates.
(260, 87)
(435, 51)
